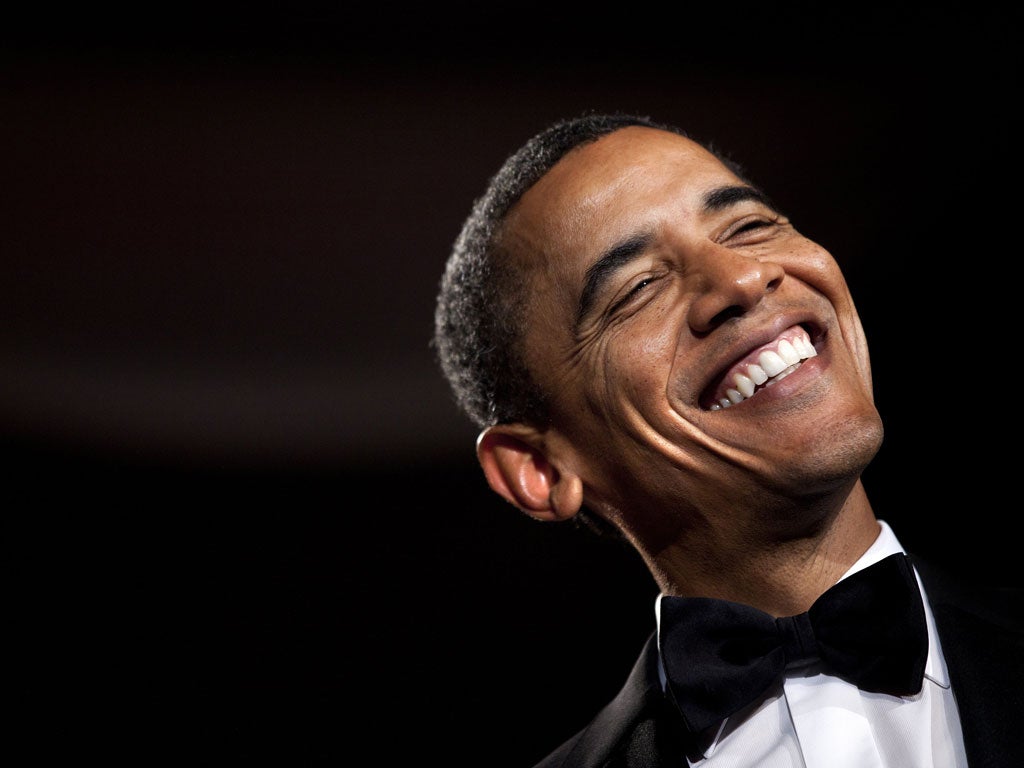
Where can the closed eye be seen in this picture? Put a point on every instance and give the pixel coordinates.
(630, 294)
(751, 225)
(601, 271)
(752, 228)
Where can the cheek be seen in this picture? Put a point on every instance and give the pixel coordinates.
(642, 359)
(816, 267)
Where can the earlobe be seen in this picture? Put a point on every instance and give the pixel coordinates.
(517, 469)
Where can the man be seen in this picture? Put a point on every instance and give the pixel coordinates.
(648, 345)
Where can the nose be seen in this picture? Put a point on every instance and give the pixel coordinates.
(730, 284)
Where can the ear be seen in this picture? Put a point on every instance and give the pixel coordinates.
(517, 467)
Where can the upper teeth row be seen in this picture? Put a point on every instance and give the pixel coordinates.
(769, 365)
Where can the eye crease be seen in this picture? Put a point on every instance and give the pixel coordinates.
(750, 226)
(632, 293)
(600, 271)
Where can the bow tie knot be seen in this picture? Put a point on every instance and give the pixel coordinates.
(868, 629)
(799, 644)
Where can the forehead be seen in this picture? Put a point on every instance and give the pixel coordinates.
(627, 156)
(630, 181)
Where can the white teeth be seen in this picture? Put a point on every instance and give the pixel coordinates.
(770, 367)
(772, 363)
(745, 384)
(782, 375)
(787, 353)
(804, 347)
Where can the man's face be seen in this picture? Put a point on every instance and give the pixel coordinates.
(663, 288)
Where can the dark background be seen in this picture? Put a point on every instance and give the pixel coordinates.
(246, 520)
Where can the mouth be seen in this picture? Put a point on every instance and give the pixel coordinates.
(760, 369)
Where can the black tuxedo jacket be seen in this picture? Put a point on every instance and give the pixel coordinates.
(982, 634)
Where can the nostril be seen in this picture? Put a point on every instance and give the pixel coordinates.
(726, 314)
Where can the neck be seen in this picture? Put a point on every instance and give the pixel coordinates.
(779, 573)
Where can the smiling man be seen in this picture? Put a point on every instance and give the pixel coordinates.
(647, 344)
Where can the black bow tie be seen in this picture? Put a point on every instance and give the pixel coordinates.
(868, 629)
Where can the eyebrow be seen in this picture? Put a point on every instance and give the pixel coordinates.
(629, 249)
(723, 197)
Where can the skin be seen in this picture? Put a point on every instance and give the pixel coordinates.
(654, 270)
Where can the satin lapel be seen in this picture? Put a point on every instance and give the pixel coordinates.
(635, 729)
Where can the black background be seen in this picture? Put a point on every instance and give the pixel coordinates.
(245, 518)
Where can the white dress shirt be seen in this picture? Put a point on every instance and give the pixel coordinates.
(815, 720)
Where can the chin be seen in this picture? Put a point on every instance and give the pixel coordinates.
(840, 455)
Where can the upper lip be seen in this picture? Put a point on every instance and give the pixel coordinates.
(752, 339)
